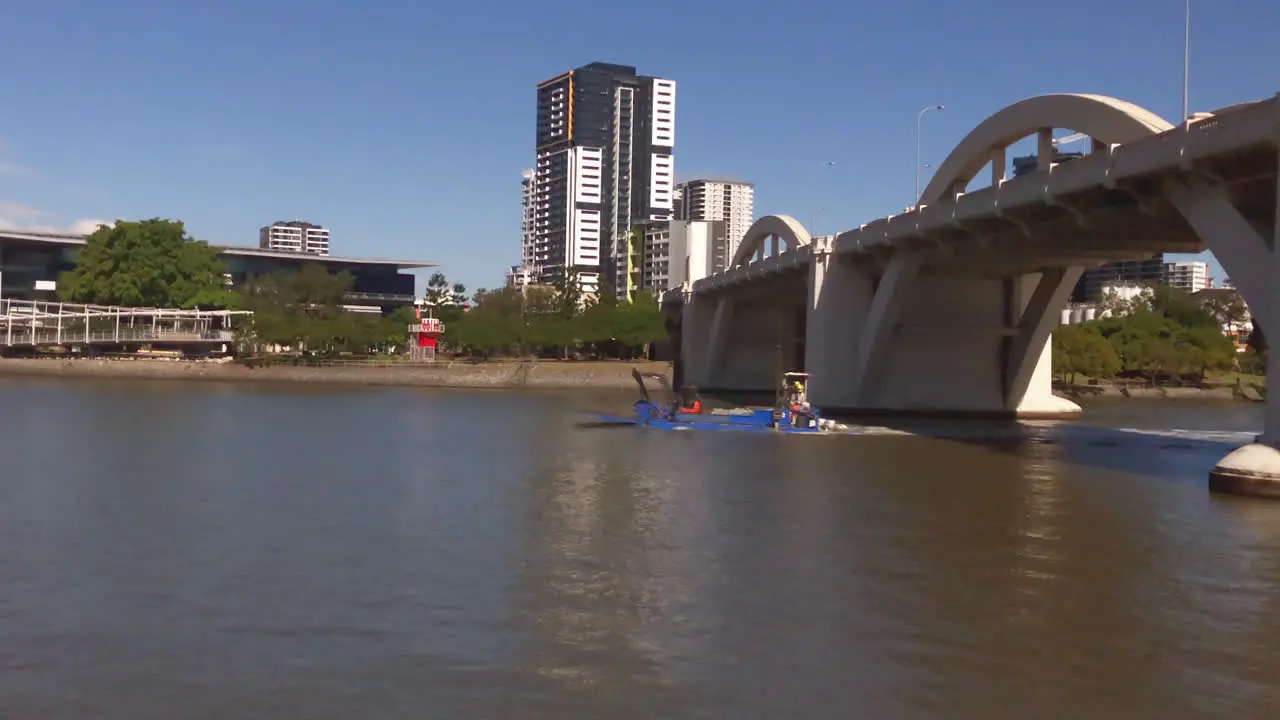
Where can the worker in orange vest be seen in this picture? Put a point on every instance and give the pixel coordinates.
(692, 403)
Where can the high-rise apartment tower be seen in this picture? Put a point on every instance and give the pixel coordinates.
(527, 236)
(725, 201)
(604, 143)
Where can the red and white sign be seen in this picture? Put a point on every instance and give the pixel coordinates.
(431, 326)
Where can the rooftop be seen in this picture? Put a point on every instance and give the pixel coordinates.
(72, 239)
(721, 180)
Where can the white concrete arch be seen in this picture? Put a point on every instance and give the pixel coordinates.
(1105, 119)
(785, 227)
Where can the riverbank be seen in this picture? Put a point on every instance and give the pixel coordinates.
(552, 374)
(599, 375)
(1083, 394)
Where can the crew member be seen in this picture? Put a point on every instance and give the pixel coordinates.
(800, 408)
(692, 403)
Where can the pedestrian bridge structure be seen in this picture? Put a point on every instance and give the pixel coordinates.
(949, 306)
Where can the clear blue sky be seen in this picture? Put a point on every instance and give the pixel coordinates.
(403, 126)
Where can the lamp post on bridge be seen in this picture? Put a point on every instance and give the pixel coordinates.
(813, 225)
(1186, 66)
(915, 202)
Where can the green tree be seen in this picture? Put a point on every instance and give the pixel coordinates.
(303, 309)
(1178, 306)
(1154, 356)
(1207, 349)
(1226, 306)
(438, 292)
(151, 263)
(1081, 350)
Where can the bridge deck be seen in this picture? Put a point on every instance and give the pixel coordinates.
(1086, 210)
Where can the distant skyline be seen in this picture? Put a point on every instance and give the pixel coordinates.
(404, 130)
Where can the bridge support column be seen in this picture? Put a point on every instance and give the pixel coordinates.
(840, 293)
(1236, 243)
(891, 295)
(1028, 386)
(1253, 470)
(715, 339)
(695, 327)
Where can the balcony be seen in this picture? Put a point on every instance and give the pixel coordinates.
(381, 297)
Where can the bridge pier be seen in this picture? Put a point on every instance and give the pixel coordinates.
(917, 339)
(695, 326)
(1253, 470)
(1028, 354)
(840, 293)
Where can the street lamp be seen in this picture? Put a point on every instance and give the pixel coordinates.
(919, 120)
(813, 226)
(1186, 65)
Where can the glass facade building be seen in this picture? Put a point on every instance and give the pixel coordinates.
(31, 263)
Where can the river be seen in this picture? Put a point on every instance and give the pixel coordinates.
(218, 551)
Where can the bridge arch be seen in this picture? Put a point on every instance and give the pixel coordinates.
(1105, 119)
(785, 227)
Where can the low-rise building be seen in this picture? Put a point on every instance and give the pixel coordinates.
(31, 262)
(1190, 276)
(295, 236)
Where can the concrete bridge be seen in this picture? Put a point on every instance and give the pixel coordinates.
(948, 308)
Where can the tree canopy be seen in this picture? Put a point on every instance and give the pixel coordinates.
(555, 320)
(151, 263)
(1161, 334)
(302, 309)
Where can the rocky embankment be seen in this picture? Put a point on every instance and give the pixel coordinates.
(1084, 393)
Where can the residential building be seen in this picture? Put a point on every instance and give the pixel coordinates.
(1191, 276)
(604, 140)
(295, 236)
(1129, 272)
(1089, 287)
(667, 254)
(727, 201)
(519, 276)
(527, 242)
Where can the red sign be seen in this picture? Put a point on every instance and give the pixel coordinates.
(431, 325)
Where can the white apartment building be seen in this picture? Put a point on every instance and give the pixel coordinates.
(1191, 276)
(518, 276)
(295, 236)
(667, 254)
(727, 201)
(528, 234)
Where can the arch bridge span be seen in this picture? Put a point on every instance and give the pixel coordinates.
(948, 307)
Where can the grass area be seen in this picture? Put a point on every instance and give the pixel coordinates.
(1231, 378)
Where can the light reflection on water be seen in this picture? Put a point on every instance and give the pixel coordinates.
(284, 552)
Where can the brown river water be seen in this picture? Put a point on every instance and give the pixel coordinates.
(220, 551)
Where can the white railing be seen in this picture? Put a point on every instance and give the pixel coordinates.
(28, 336)
(35, 323)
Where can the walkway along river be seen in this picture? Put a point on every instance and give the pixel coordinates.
(211, 550)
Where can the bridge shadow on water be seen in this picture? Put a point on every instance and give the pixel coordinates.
(1176, 454)
(1128, 437)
